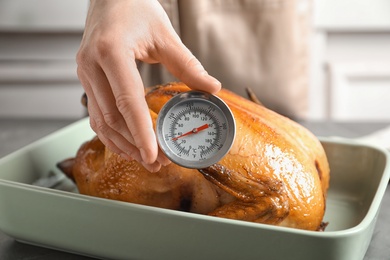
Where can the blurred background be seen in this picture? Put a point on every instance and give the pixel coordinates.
(350, 60)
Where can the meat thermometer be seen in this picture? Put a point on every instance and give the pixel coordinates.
(195, 129)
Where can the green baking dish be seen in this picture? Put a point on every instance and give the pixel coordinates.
(116, 230)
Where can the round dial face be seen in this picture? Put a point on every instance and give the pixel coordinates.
(195, 129)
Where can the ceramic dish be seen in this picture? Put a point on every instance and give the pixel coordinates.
(116, 230)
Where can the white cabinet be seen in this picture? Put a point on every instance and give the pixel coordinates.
(351, 60)
(42, 15)
(38, 43)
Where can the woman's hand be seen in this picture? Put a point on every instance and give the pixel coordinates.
(117, 33)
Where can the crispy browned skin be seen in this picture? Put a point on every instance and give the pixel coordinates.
(276, 172)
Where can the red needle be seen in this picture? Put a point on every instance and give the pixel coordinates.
(193, 131)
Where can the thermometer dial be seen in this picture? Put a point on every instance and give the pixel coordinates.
(195, 129)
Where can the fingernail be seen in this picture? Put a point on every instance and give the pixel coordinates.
(152, 167)
(143, 155)
(164, 161)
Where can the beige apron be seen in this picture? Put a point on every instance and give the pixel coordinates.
(261, 44)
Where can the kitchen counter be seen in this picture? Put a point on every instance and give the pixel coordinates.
(15, 134)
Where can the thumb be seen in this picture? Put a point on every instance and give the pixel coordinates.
(179, 61)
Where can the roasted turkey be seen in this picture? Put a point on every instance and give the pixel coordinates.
(275, 173)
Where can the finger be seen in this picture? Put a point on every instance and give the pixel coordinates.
(185, 66)
(133, 152)
(110, 138)
(128, 91)
(105, 100)
(162, 159)
(154, 167)
(116, 142)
